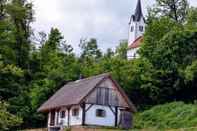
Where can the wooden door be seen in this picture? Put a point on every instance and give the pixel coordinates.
(126, 120)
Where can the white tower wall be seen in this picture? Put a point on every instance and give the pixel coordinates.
(136, 32)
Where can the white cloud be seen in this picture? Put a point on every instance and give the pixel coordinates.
(106, 20)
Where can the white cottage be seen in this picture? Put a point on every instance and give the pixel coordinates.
(136, 31)
(94, 101)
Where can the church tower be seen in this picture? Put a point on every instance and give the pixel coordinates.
(136, 31)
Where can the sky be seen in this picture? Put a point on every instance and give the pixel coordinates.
(105, 20)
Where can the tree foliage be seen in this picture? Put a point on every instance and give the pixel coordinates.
(174, 9)
(7, 120)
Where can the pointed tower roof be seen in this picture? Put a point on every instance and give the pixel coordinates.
(138, 12)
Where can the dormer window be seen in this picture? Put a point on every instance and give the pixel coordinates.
(141, 28)
(132, 28)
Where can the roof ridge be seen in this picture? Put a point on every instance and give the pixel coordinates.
(88, 78)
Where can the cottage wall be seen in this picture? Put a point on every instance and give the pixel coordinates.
(92, 119)
(76, 120)
(90, 116)
(64, 120)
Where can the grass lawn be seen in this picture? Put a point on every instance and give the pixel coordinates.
(150, 129)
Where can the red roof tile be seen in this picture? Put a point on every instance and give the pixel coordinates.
(136, 43)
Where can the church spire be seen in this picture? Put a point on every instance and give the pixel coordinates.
(136, 31)
(138, 12)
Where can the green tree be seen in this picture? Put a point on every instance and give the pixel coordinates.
(51, 66)
(109, 53)
(21, 16)
(54, 41)
(172, 55)
(155, 31)
(192, 19)
(7, 120)
(174, 9)
(90, 49)
(10, 77)
(121, 50)
(191, 71)
(2, 9)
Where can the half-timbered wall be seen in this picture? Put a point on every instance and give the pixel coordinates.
(106, 94)
(92, 119)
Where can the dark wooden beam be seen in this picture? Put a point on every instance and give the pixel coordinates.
(116, 116)
(112, 110)
(68, 116)
(83, 113)
(89, 107)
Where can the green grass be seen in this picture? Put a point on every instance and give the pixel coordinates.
(168, 116)
(148, 129)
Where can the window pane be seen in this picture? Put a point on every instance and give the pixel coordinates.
(141, 28)
(132, 28)
(75, 112)
(100, 113)
(63, 114)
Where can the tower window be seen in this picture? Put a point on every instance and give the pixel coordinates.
(132, 28)
(141, 28)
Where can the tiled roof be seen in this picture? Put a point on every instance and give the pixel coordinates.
(137, 43)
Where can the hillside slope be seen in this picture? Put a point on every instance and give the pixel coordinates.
(171, 115)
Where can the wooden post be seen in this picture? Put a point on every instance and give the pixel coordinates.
(55, 122)
(49, 119)
(57, 119)
(68, 117)
(116, 116)
(83, 113)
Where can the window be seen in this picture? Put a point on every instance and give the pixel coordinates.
(100, 113)
(62, 114)
(132, 28)
(141, 28)
(75, 112)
